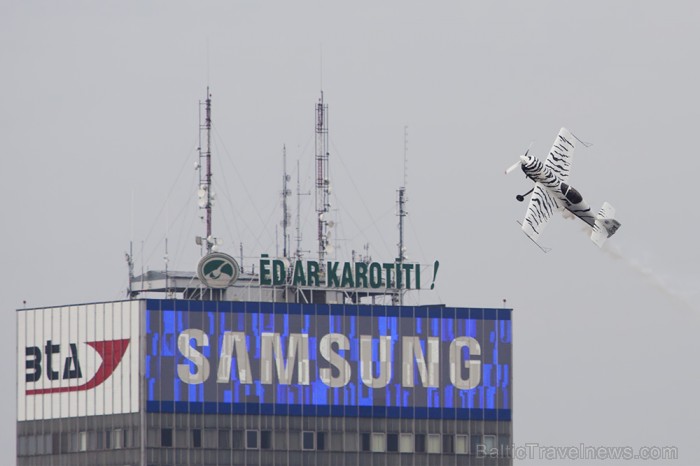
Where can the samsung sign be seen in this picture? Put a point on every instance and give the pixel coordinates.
(291, 359)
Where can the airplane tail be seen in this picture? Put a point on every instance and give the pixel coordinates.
(605, 225)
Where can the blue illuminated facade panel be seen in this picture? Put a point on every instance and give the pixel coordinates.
(415, 362)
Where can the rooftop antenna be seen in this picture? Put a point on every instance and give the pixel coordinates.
(130, 263)
(286, 192)
(323, 188)
(241, 246)
(129, 256)
(166, 259)
(299, 252)
(401, 258)
(206, 197)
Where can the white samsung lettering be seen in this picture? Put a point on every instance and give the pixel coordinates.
(297, 350)
(201, 363)
(335, 360)
(234, 341)
(384, 377)
(473, 365)
(429, 371)
(413, 354)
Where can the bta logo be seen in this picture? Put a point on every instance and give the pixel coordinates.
(50, 365)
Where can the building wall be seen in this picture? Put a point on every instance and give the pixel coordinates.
(80, 360)
(208, 440)
(112, 440)
(195, 422)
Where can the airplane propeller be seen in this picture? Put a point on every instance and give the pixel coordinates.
(513, 167)
(517, 164)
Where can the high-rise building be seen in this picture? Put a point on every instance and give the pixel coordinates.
(166, 382)
(306, 362)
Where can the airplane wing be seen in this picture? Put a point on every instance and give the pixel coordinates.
(539, 211)
(561, 155)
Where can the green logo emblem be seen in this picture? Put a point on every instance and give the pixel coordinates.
(218, 270)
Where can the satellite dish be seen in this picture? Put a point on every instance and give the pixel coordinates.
(320, 216)
(331, 224)
(215, 248)
(329, 249)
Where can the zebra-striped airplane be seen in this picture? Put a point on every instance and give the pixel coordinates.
(551, 192)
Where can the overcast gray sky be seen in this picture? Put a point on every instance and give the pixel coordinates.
(98, 122)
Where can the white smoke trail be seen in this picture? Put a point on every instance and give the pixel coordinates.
(650, 276)
(654, 279)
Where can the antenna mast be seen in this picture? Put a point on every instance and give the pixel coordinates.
(166, 259)
(130, 263)
(206, 197)
(402, 214)
(286, 192)
(299, 252)
(322, 180)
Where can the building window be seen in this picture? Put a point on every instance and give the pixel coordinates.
(31, 445)
(378, 442)
(224, 439)
(210, 438)
(420, 443)
(166, 437)
(251, 439)
(266, 439)
(196, 438)
(118, 439)
(82, 441)
(504, 446)
(461, 444)
(307, 440)
(490, 445)
(447, 446)
(351, 441)
(406, 443)
(433, 443)
(320, 441)
(238, 438)
(365, 443)
(48, 444)
(22, 446)
(392, 442)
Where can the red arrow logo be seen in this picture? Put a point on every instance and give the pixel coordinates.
(111, 352)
